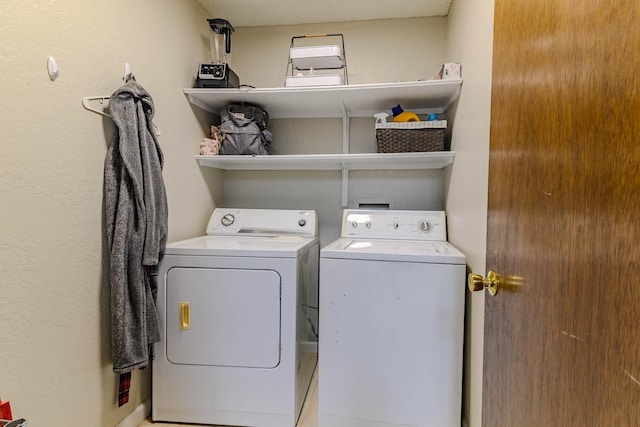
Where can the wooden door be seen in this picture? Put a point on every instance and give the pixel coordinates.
(562, 338)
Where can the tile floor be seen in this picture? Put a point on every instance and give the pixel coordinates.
(308, 416)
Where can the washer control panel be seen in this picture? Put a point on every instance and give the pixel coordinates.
(394, 224)
(263, 222)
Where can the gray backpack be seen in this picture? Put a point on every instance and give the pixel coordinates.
(243, 130)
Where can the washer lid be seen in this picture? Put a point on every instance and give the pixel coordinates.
(262, 247)
(393, 250)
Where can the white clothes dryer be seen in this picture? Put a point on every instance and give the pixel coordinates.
(233, 315)
(392, 293)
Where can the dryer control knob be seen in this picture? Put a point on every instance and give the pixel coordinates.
(227, 220)
(354, 224)
(424, 226)
(302, 222)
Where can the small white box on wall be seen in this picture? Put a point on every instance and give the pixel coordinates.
(451, 70)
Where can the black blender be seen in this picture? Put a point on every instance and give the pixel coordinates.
(217, 73)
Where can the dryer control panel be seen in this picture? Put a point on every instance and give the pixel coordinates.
(263, 222)
(394, 224)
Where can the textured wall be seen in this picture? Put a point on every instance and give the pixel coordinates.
(54, 348)
(470, 41)
(377, 52)
(387, 51)
(54, 353)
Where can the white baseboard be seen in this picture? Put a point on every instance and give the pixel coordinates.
(138, 415)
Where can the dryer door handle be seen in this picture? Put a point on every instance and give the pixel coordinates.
(184, 315)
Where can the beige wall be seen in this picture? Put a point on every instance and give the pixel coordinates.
(377, 52)
(387, 51)
(470, 41)
(54, 352)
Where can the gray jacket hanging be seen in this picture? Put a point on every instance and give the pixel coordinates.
(136, 225)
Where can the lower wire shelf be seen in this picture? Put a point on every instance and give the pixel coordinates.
(367, 161)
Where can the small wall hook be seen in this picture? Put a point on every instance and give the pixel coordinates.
(52, 68)
(128, 74)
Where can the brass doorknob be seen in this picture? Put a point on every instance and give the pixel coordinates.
(476, 282)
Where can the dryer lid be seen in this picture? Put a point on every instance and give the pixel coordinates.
(262, 222)
(257, 246)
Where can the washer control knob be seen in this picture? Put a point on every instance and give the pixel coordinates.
(227, 220)
(354, 224)
(368, 224)
(396, 225)
(302, 222)
(424, 226)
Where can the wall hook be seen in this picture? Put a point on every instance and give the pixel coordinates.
(128, 74)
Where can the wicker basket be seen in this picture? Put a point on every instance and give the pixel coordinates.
(410, 136)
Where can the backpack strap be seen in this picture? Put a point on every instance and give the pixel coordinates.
(252, 112)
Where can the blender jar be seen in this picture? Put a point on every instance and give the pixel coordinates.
(220, 40)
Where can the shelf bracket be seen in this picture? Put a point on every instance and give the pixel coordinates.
(345, 186)
(345, 129)
(345, 150)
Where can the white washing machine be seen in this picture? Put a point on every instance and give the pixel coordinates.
(392, 295)
(233, 315)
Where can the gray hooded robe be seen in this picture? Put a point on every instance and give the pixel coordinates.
(136, 225)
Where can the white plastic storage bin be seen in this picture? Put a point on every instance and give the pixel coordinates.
(314, 80)
(317, 57)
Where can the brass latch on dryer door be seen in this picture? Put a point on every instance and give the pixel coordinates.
(184, 315)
